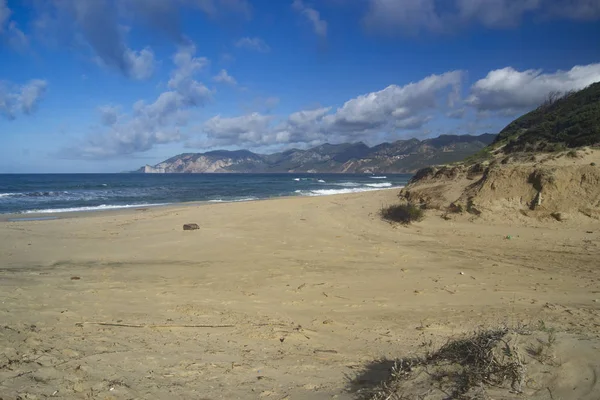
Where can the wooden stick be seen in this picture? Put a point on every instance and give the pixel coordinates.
(157, 326)
(170, 326)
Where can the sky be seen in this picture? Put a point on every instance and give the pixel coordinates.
(112, 85)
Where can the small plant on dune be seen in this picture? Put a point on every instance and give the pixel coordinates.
(543, 351)
(403, 213)
(572, 154)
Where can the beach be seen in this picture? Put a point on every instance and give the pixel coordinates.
(282, 298)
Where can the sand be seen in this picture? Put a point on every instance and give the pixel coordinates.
(277, 299)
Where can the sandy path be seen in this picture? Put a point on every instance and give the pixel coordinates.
(313, 288)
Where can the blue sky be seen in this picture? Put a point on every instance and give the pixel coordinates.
(111, 85)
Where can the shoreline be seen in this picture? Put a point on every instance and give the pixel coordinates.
(117, 210)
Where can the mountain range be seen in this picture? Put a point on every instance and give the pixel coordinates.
(402, 156)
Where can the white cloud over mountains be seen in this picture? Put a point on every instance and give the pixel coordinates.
(511, 91)
(148, 124)
(398, 109)
(392, 111)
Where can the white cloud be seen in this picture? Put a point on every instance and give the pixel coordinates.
(510, 91)
(313, 16)
(393, 16)
(252, 129)
(109, 114)
(392, 105)
(148, 124)
(224, 77)
(23, 98)
(141, 63)
(390, 110)
(255, 43)
(456, 114)
(261, 104)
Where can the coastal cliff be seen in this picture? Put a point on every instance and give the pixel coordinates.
(544, 164)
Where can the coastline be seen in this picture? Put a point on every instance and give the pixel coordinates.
(35, 216)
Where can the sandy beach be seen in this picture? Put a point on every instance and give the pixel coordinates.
(277, 299)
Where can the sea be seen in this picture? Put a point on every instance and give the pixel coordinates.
(59, 193)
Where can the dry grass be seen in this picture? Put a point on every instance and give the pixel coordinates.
(461, 369)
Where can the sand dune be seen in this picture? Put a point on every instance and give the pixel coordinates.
(273, 299)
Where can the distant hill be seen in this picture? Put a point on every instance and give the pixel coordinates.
(402, 156)
(563, 121)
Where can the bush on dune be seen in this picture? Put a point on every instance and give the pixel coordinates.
(403, 213)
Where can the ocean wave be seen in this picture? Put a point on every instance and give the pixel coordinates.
(233, 200)
(347, 184)
(379, 185)
(321, 181)
(35, 194)
(90, 208)
(378, 177)
(329, 192)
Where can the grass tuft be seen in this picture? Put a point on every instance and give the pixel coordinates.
(402, 213)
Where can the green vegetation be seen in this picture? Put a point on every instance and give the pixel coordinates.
(403, 213)
(563, 121)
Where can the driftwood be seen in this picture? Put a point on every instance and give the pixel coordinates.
(168, 326)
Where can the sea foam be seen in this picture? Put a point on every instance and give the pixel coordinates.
(90, 208)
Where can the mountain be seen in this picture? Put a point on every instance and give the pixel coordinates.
(402, 156)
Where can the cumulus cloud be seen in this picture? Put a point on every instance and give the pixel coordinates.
(24, 99)
(109, 114)
(255, 44)
(313, 16)
(510, 91)
(392, 105)
(224, 77)
(252, 129)
(392, 16)
(152, 123)
(393, 109)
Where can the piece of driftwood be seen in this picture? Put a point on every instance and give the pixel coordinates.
(169, 326)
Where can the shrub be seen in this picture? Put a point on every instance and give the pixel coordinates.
(572, 154)
(403, 213)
